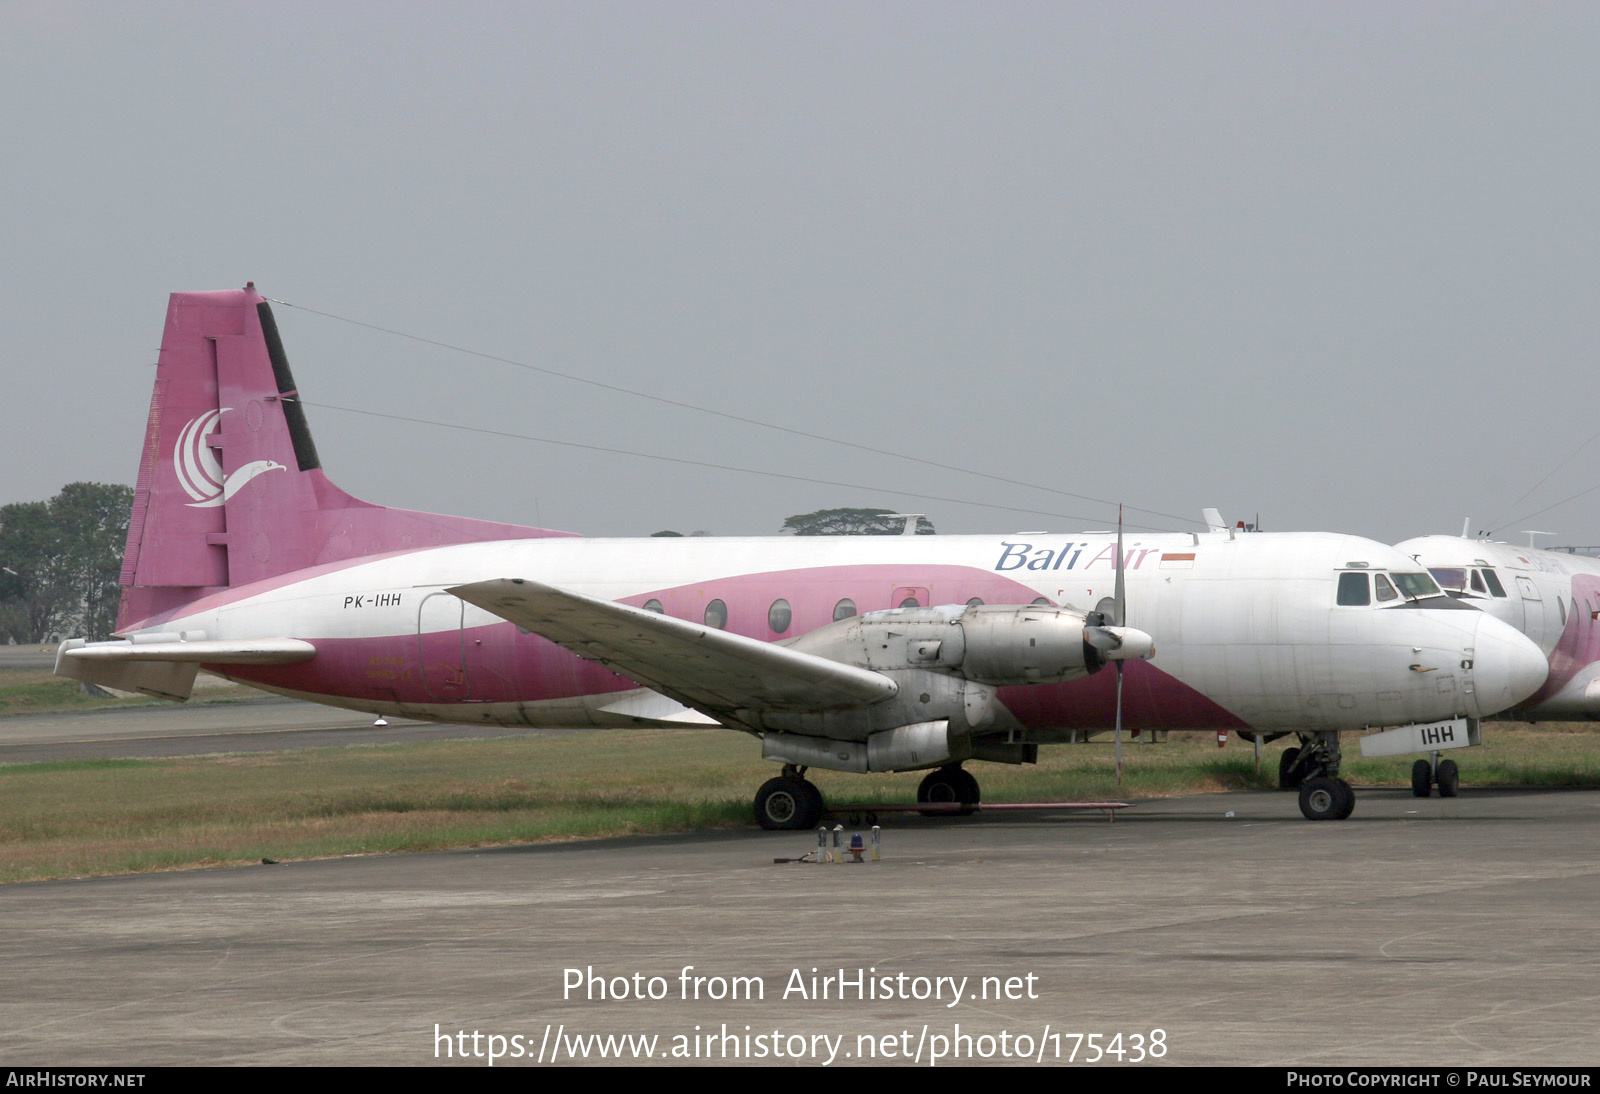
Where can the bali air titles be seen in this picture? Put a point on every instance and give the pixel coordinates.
(1025, 556)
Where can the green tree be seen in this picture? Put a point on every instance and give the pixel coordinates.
(62, 562)
(852, 522)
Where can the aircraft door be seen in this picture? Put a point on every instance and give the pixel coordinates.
(441, 647)
(1534, 623)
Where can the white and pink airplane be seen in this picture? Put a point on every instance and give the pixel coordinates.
(889, 653)
(1553, 597)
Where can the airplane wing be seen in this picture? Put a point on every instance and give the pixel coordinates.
(701, 667)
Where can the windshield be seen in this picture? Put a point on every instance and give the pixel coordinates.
(1451, 577)
(1416, 586)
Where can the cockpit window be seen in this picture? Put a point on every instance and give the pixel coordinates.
(1416, 586)
(1453, 578)
(1384, 590)
(1477, 582)
(1354, 590)
(1495, 588)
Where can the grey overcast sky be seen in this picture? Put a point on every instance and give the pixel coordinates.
(1335, 263)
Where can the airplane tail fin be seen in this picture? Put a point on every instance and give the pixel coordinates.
(230, 489)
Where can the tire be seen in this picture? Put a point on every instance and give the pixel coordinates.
(1347, 800)
(788, 804)
(1421, 779)
(1449, 778)
(949, 784)
(1288, 779)
(1326, 799)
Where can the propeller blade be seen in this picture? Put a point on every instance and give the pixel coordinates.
(1119, 594)
(1119, 613)
(1119, 723)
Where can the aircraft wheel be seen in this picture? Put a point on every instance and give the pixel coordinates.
(1347, 803)
(1449, 778)
(1326, 799)
(1421, 779)
(949, 784)
(1287, 778)
(788, 803)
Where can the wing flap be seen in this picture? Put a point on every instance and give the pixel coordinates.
(702, 667)
(655, 707)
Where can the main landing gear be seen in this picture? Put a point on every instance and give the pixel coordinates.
(789, 801)
(1426, 774)
(952, 783)
(1313, 769)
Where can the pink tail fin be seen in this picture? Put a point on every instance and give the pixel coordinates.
(230, 489)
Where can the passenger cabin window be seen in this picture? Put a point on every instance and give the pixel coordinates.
(779, 616)
(1354, 590)
(1385, 591)
(975, 602)
(1041, 602)
(717, 614)
(844, 609)
(654, 606)
(1495, 588)
(910, 602)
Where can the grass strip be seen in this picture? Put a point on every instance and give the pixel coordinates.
(71, 819)
(40, 691)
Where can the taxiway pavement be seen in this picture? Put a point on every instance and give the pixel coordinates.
(1421, 932)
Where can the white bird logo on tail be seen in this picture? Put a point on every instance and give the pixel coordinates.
(200, 474)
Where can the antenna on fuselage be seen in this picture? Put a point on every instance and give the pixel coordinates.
(1530, 533)
(911, 519)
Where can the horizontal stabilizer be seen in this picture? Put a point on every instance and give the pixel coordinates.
(260, 651)
(702, 667)
(165, 665)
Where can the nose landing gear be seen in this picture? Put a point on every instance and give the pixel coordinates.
(1426, 774)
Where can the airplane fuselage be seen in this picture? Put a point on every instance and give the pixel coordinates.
(1251, 633)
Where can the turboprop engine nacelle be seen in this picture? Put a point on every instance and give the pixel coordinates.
(995, 644)
(948, 662)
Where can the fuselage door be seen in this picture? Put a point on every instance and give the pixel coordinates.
(441, 647)
(1538, 621)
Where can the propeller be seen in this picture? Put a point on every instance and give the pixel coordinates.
(1119, 615)
(1107, 631)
